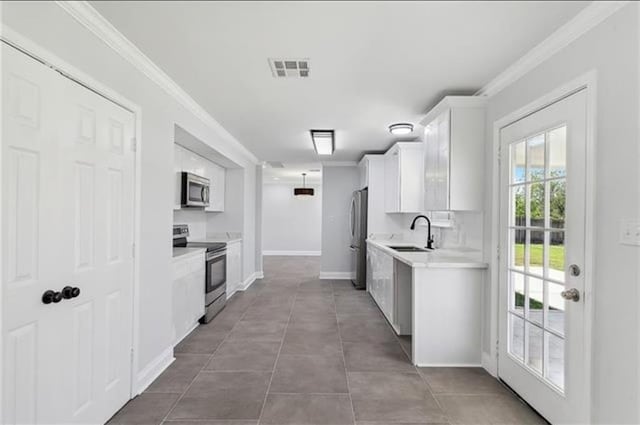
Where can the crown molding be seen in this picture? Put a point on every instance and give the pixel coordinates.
(91, 19)
(584, 21)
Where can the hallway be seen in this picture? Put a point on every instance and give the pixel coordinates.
(296, 350)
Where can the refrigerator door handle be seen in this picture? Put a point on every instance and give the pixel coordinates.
(352, 217)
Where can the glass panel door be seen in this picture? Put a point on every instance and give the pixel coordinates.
(542, 344)
(536, 252)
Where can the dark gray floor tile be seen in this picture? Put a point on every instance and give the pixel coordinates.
(200, 342)
(387, 385)
(399, 410)
(258, 330)
(223, 395)
(146, 409)
(309, 374)
(311, 341)
(307, 409)
(353, 330)
(461, 380)
(210, 422)
(487, 409)
(179, 375)
(245, 355)
(376, 357)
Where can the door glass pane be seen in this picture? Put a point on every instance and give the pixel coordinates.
(557, 152)
(534, 346)
(516, 336)
(555, 315)
(557, 202)
(535, 252)
(536, 300)
(517, 292)
(556, 256)
(518, 162)
(516, 247)
(518, 206)
(535, 157)
(555, 364)
(536, 204)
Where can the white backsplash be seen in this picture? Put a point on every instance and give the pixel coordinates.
(465, 230)
(195, 218)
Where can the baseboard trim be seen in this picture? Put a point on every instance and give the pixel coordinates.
(489, 364)
(260, 275)
(337, 275)
(149, 374)
(244, 285)
(293, 253)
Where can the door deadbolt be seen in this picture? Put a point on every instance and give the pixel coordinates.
(574, 270)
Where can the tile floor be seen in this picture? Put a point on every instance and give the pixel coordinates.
(296, 350)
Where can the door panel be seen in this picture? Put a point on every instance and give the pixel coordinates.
(542, 341)
(68, 197)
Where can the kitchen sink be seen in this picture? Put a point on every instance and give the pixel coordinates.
(409, 249)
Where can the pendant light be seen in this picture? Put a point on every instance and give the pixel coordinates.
(303, 191)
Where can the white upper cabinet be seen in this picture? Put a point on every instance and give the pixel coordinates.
(454, 154)
(187, 161)
(178, 153)
(216, 176)
(403, 178)
(363, 169)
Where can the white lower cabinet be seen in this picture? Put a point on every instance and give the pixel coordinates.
(234, 267)
(188, 294)
(380, 281)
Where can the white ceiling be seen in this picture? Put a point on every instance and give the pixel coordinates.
(372, 63)
(292, 173)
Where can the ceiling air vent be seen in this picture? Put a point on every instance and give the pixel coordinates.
(290, 67)
(275, 164)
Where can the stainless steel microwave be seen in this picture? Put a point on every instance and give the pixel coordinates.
(195, 191)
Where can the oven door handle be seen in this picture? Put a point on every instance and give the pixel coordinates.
(216, 255)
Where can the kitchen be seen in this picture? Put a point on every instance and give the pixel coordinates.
(432, 223)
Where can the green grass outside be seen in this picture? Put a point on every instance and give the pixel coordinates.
(556, 256)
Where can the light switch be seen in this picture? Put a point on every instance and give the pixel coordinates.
(630, 232)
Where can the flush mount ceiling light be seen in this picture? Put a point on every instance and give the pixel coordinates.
(401, 128)
(323, 141)
(304, 190)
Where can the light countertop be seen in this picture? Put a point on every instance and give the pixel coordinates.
(228, 237)
(186, 252)
(439, 258)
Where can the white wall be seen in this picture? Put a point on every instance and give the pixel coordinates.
(612, 49)
(49, 26)
(338, 184)
(291, 226)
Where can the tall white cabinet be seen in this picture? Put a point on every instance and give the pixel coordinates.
(185, 160)
(404, 186)
(454, 154)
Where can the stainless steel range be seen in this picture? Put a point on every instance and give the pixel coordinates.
(215, 285)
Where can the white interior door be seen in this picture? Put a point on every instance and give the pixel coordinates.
(67, 198)
(542, 328)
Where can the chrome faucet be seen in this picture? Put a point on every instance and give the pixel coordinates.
(429, 236)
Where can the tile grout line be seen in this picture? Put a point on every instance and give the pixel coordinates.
(173, 406)
(275, 364)
(344, 360)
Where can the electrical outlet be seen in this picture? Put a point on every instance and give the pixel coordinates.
(630, 232)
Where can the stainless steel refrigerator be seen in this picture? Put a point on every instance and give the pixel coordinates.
(358, 228)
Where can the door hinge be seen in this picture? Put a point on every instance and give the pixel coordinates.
(133, 250)
(499, 153)
(134, 144)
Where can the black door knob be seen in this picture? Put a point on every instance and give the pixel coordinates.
(69, 292)
(50, 296)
